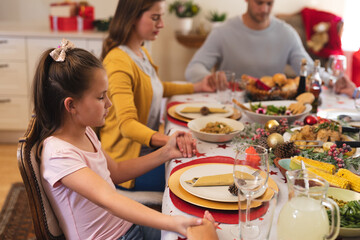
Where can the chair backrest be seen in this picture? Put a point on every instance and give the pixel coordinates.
(46, 225)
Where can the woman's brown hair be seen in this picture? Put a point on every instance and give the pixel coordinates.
(121, 26)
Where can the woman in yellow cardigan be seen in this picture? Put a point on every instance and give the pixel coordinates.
(131, 128)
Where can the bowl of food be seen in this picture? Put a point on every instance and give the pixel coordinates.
(215, 129)
(262, 112)
(347, 201)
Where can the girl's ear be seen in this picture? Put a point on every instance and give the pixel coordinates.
(69, 105)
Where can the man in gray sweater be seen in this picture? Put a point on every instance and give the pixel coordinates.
(255, 43)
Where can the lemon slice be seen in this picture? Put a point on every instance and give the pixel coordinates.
(327, 145)
(353, 150)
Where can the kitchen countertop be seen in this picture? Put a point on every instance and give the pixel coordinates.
(16, 29)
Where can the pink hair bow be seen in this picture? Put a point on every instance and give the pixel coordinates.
(59, 53)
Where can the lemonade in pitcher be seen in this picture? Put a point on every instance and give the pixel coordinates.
(303, 218)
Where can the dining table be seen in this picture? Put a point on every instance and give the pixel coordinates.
(207, 152)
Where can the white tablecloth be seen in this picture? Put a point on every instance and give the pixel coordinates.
(211, 149)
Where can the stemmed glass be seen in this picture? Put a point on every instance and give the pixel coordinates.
(357, 102)
(251, 173)
(336, 67)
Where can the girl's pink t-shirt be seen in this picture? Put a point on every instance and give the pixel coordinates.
(78, 217)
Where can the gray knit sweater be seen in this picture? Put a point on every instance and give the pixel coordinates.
(257, 53)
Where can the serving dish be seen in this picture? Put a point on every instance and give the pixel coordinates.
(197, 124)
(262, 118)
(287, 137)
(229, 110)
(345, 195)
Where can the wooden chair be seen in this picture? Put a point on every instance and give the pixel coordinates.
(46, 225)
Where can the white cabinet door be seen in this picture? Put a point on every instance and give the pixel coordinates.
(37, 45)
(13, 78)
(95, 47)
(12, 48)
(15, 113)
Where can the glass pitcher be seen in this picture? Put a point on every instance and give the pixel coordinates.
(304, 215)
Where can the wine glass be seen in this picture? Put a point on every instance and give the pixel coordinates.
(251, 173)
(336, 67)
(357, 102)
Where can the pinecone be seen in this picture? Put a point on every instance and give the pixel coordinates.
(278, 129)
(286, 150)
(233, 189)
(262, 141)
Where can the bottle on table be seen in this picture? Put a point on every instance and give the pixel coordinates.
(315, 85)
(303, 74)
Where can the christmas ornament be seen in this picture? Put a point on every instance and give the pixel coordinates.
(270, 124)
(275, 139)
(310, 120)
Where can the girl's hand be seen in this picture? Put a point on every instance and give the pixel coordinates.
(181, 144)
(208, 216)
(181, 224)
(205, 231)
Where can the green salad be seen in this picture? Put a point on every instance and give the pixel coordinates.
(269, 109)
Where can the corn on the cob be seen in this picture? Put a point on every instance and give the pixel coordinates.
(351, 177)
(295, 163)
(332, 179)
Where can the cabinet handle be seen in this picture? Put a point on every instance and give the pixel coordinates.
(3, 41)
(4, 65)
(5, 100)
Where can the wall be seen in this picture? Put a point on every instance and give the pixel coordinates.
(166, 51)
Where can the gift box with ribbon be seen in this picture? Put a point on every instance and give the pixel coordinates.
(70, 16)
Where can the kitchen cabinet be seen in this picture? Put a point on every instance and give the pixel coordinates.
(20, 51)
(13, 84)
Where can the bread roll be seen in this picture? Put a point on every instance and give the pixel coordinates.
(268, 80)
(289, 86)
(305, 98)
(280, 79)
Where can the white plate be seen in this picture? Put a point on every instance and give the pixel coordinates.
(197, 124)
(334, 113)
(215, 193)
(262, 118)
(230, 110)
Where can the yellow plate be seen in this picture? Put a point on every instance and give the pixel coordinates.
(171, 111)
(176, 188)
(345, 195)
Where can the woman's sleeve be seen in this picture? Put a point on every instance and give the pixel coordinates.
(171, 89)
(121, 74)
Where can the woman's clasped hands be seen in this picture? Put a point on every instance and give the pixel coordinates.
(181, 144)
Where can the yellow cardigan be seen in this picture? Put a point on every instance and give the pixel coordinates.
(130, 92)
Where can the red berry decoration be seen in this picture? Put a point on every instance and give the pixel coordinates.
(310, 120)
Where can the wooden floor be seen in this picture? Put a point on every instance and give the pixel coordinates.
(9, 172)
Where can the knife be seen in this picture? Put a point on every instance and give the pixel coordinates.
(353, 144)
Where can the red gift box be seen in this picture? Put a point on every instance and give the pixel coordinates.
(71, 23)
(83, 20)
